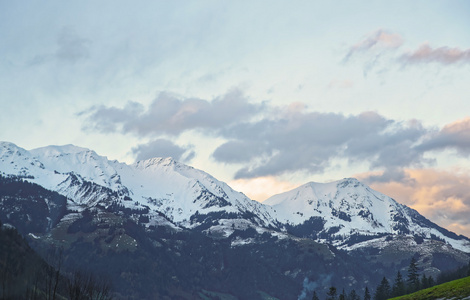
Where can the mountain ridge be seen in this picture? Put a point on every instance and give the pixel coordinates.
(329, 212)
(161, 229)
(162, 184)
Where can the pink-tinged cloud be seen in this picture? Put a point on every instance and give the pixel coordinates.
(380, 39)
(441, 196)
(443, 55)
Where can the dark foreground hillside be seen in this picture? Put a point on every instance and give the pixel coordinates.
(19, 265)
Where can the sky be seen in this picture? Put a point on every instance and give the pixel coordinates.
(264, 95)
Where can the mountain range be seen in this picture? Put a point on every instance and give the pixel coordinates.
(81, 198)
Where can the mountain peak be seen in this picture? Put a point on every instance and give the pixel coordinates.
(16, 160)
(349, 181)
(4, 144)
(315, 191)
(341, 203)
(55, 150)
(10, 148)
(156, 161)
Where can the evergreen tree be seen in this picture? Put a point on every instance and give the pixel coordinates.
(342, 296)
(353, 295)
(367, 294)
(424, 282)
(315, 297)
(413, 276)
(331, 293)
(398, 286)
(431, 281)
(383, 290)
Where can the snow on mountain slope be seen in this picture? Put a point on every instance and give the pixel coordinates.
(16, 160)
(342, 200)
(348, 207)
(70, 158)
(333, 212)
(179, 191)
(160, 184)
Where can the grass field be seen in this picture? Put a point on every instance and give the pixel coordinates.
(457, 289)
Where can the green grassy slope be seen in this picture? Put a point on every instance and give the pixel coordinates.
(457, 289)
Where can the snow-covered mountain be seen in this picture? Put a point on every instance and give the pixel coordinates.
(160, 185)
(181, 225)
(347, 208)
(344, 213)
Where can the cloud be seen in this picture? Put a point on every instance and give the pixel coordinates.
(389, 175)
(393, 147)
(172, 115)
(443, 55)
(163, 148)
(110, 119)
(379, 46)
(380, 40)
(70, 48)
(298, 140)
(441, 196)
(455, 135)
(261, 140)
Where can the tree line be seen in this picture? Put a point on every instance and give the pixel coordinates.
(400, 286)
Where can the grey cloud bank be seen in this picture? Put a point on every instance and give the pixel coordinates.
(452, 136)
(264, 140)
(170, 115)
(309, 141)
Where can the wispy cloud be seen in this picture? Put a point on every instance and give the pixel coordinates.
(71, 48)
(381, 49)
(379, 40)
(443, 55)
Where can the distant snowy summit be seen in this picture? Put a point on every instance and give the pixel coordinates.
(344, 213)
(347, 204)
(348, 208)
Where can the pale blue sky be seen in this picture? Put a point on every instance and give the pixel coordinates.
(321, 89)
